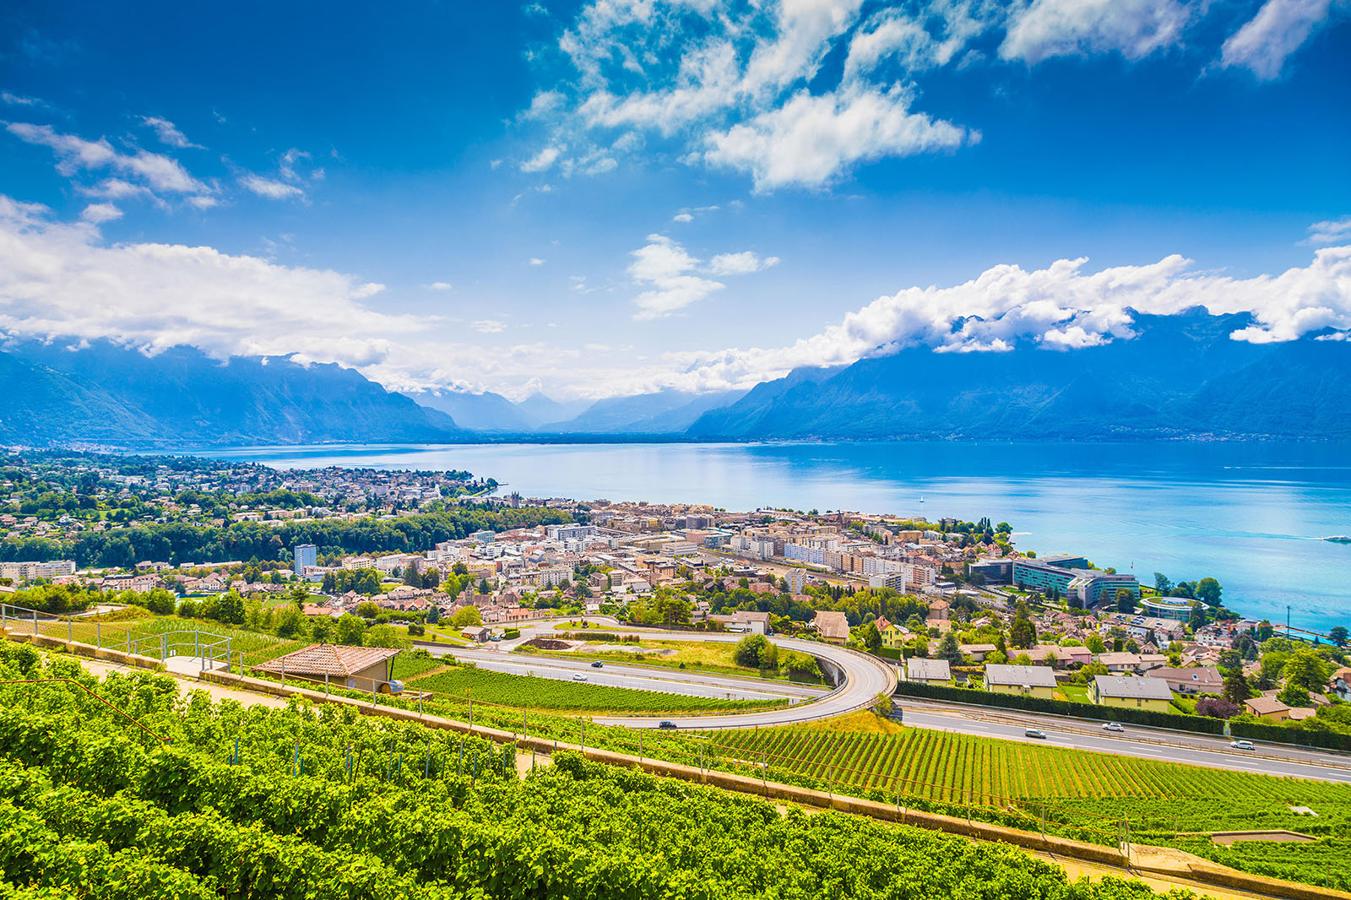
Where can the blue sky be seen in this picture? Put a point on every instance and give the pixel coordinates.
(608, 197)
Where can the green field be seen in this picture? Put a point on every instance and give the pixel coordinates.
(713, 657)
(503, 689)
(211, 800)
(148, 634)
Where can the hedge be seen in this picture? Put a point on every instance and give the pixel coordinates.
(1199, 724)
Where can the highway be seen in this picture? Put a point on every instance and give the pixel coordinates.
(864, 678)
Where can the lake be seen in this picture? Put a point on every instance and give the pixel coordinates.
(1251, 515)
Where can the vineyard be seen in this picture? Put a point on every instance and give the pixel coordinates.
(136, 631)
(520, 691)
(185, 798)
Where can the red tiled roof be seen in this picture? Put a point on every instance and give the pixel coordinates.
(329, 659)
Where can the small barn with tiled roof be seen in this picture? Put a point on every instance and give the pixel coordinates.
(360, 668)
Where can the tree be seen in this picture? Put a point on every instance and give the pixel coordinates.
(883, 704)
(754, 651)
(868, 635)
(1162, 584)
(466, 616)
(433, 614)
(367, 609)
(386, 636)
(1208, 591)
(1125, 601)
(348, 630)
(1236, 689)
(1022, 633)
(949, 649)
(1216, 708)
(1294, 694)
(1338, 635)
(1307, 669)
(800, 666)
(1095, 643)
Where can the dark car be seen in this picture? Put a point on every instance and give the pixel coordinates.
(667, 723)
(598, 665)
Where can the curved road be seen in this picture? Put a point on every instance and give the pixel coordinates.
(863, 677)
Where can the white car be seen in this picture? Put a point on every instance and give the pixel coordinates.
(1242, 745)
(1035, 733)
(1112, 726)
(580, 676)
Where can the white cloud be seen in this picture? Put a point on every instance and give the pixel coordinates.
(167, 132)
(1330, 231)
(536, 261)
(489, 326)
(159, 173)
(1061, 306)
(270, 188)
(673, 279)
(542, 161)
(440, 286)
(682, 217)
(742, 263)
(1134, 28)
(1280, 28)
(19, 100)
(811, 140)
(98, 213)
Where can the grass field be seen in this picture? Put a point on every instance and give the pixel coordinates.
(518, 691)
(148, 634)
(713, 657)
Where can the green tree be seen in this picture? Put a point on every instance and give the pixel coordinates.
(1236, 689)
(1208, 590)
(1125, 601)
(1294, 694)
(348, 630)
(1307, 669)
(868, 635)
(1338, 635)
(466, 616)
(386, 636)
(1022, 633)
(949, 649)
(1095, 643)
(754, 651)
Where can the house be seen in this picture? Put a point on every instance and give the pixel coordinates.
(479, 634)
(893, 635)
(1131, 692)
(1198, 680)
(1031, 681)
(832, 626)
(359, 668)
(1120, 662)
(751, 621)
(977, 652)
(1267, 708)
(932, 671)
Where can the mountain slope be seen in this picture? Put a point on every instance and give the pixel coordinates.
(478, 412)
(1180, 377)
(663, 412)
(109, 394)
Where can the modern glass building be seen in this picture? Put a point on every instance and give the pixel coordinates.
(1090, 586)
(1179, 609)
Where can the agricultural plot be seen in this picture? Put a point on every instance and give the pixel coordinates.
(460, 683)
(216, 800)
(1091, 795)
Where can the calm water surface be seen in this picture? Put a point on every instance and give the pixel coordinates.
(1252, 515)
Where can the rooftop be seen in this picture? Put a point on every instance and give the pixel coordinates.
(1129, 688)
(328, 659)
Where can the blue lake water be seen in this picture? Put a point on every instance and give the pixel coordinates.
(1251, 515)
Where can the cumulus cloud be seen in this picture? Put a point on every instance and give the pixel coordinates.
(1278, 29)
(98, 213)
(167, 132)
(440, 286)
(1062, 306)
(489, 326)
(811, 140)
(542, 161)
(682, 217)
(673, 279)
(62, 280)
(535, 261)
(1330, 231)
(155, 172)
(270, 188)
(1134, 28)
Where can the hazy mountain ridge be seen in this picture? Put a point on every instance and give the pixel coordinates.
(105, 393)
(1181, 377)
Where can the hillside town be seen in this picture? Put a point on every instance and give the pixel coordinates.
(949, 602)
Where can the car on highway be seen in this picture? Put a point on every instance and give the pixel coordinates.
(598, 665)
(1112, 726)
(1242, 745)
(1035, 733)
(666, 723)
(580, 676)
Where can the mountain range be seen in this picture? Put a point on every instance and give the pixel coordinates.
(1179, 377)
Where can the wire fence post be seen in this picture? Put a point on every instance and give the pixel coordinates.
(70, 631)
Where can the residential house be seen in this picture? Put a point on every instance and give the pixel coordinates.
(930, 671)
(1031, 681)
(831, 625)
(1198, 680)
(1131, 692)
(1267, 708)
